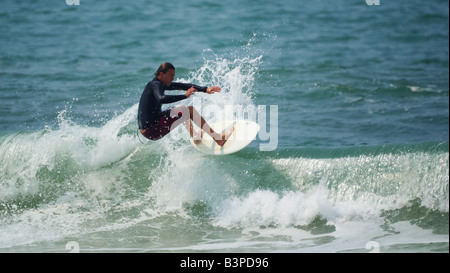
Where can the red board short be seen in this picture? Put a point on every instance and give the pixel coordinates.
(159, 129)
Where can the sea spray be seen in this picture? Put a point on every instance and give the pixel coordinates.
(98, 185)
(237, 78)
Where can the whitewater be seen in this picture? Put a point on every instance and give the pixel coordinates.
(106, 189)
(354, 155)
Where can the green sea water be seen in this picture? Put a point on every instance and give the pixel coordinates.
(359, 135)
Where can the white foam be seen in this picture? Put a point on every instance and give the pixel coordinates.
(266, 208)
(22, 156)
(235, 76)
(374, 183)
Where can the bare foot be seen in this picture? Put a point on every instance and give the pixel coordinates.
(198, 137)
(225, 137)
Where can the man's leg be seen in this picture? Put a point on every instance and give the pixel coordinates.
(220, 139)
(195, 117)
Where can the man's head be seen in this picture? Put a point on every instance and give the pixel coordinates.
(166, 73)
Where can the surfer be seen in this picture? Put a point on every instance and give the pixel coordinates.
(155, 123)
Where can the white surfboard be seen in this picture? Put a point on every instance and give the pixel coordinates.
(245, 132)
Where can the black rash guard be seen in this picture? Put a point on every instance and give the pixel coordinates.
(153, 97)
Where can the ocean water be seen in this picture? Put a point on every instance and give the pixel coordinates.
(355, 98)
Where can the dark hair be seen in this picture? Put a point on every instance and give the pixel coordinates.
(164, 68)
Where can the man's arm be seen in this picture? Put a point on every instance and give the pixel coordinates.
(186, 86)
(164, 99)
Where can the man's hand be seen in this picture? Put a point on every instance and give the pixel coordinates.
(209, 90)
(214, 89)
(190, 91)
